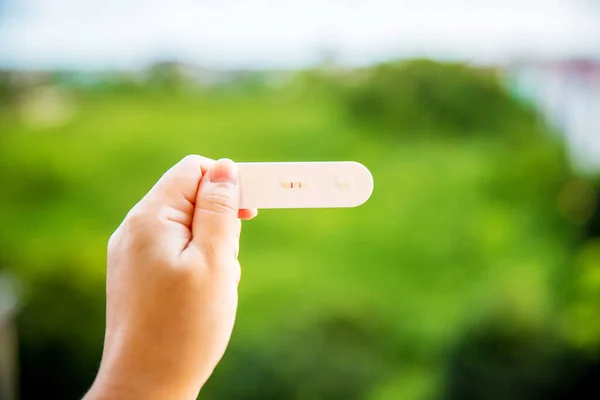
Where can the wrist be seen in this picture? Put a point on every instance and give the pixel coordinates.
(123, 389)
(113, 387)
(127, 381)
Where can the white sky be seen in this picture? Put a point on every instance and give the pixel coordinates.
(282, 33)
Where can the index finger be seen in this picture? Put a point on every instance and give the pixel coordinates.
(179, 185)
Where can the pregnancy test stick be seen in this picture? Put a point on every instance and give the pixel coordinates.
(304, 184)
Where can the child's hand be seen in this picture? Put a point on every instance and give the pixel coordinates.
(172, 284)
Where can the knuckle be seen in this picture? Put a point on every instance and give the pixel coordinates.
(136, 217)
(219, 202)
(117, 246)
(190, 159)
(141, 217)
(140, 226)
(113, 241)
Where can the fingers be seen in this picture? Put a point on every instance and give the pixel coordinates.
(177, 188)
(215, 226)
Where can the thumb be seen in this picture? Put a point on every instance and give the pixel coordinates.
(215, 226)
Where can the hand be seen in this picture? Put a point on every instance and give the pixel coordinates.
(172, 280)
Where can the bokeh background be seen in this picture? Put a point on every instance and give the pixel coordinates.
(473, 272)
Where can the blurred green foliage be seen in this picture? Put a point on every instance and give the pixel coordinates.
(428, 98)
(475, 217)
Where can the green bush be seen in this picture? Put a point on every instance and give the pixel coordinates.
(498, 361)
(337, 357)
(426, 97)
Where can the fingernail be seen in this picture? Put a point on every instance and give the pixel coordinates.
(223, 171)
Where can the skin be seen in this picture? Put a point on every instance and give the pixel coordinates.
(172, 280)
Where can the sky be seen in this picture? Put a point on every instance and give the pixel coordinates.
(286, 33)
